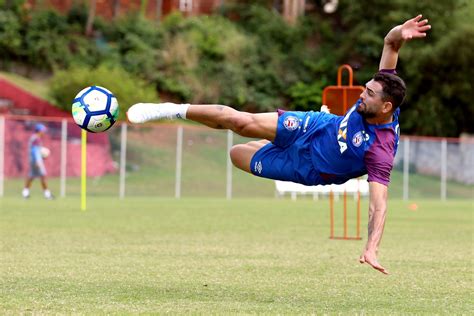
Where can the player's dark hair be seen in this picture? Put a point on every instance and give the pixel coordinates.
(393, 87)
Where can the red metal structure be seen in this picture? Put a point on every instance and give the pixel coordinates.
(339, 99)
(152, 9)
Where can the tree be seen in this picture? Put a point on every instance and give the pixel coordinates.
(143, 7)
(115, 8)
(159, 10)
(440, 97)
(91, 17)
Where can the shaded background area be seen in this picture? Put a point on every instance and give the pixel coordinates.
(252, 55)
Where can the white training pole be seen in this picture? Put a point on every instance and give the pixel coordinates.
(179, 156)
(315, 196)
(230, 142)
(123, 159)
(2, 154)
(293, 196)
(63, 163)
(406, 167)
(444, 168)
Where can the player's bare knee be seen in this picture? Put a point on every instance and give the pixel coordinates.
(241, 155)
(236, 154)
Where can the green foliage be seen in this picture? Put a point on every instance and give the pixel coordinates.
(306, 97)
(442, 86)
(135, 41)
(248, 57)
(10, 36)
(209, 60)
(437, 70)
(15, 6)
(364, 30)
(269, 26)
(137, 25)
(46, 45)
(128, 89)
(78, 14)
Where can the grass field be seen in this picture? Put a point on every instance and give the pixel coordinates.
(212, 256)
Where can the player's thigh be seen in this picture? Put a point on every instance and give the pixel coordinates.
(260, 125)
(242, 154)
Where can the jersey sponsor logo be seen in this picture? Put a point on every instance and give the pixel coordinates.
(342, 133)
(291, 123)
(258, 167)
(359, 138)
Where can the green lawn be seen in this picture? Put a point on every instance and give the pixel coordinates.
(212, 256)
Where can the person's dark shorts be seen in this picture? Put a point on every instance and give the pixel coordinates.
(288, 158)
(35, 171)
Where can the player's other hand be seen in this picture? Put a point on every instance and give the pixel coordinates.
(370, 258)
(325, 109)
(415, 28)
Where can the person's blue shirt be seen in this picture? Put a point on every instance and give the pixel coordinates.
(344, 147)
(34, 146)
(321, 148)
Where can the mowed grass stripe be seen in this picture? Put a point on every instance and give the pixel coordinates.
(157, 255)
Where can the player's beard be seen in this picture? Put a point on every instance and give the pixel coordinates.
(365, 112)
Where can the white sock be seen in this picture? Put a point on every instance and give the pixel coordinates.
(47, 193)
(144, 112)
(25, 192)
(181, 110)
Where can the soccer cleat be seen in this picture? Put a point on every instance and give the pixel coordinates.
(48, 195)
(144, 112)
(25, 193)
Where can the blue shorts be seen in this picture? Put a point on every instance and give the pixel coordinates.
(36, 171)
(288, 158)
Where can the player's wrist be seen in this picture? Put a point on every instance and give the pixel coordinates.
(394, 37)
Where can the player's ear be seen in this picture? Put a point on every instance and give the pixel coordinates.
(387, 107)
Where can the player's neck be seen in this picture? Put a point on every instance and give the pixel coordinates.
(380, 120)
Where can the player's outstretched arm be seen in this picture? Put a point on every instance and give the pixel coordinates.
(377, 213)
(411, 29)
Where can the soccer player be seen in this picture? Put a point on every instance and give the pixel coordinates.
(315, 148)
(37, 168)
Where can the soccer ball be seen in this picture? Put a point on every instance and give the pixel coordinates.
(45, 152)
(95, 109)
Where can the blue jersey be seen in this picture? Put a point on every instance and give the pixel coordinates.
(37, 167)
(34, 148)
(320, 148)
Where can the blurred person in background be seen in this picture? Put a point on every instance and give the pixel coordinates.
(36, 154)
(319, 148)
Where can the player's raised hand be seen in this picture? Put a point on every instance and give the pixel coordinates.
(414, 28)
(370, 258)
